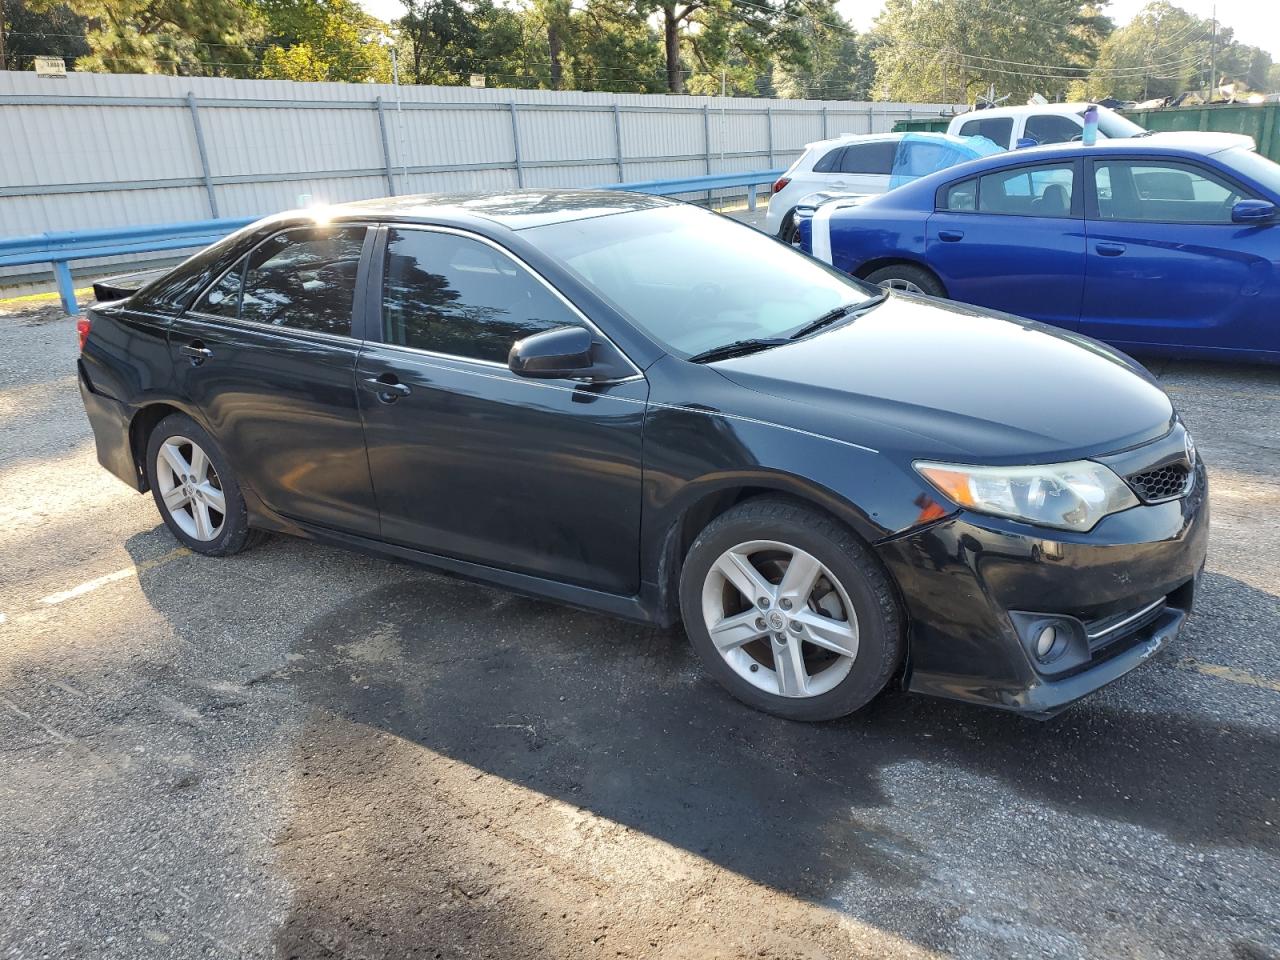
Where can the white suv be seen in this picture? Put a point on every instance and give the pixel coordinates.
(853, 164)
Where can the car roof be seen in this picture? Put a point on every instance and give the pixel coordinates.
(1063, 108)
(1201, 142)
(845, 139)
(513, 209)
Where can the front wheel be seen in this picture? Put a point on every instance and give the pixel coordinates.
(908, 277)
(789, 611)
(195, 489)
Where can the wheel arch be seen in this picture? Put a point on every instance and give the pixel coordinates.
(144, 420)
(712, 498)
(864, 270)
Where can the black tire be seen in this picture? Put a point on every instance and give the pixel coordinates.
(908, 273)
(865, 581)
(235, 533)
(788, 232)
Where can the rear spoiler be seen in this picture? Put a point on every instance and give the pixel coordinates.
(125, 284)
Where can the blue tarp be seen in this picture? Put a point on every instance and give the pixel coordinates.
(920, 154)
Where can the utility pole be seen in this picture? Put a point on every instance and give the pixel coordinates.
(1213, 54)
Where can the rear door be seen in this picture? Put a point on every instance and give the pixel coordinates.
(1013, 240)
(470, 461)
(865, 167)
(268, 355)
(1166, 265)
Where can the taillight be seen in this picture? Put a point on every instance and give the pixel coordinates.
(781, 184)
(82, 329)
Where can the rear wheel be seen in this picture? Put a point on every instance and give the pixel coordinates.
(907, 277)
(789, 611)
(195, 489)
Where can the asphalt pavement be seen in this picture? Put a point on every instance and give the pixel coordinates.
(304, 752)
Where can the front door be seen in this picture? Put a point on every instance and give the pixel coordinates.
(1013, 240)
(1166, 266)
(470, 461)
(268, 357)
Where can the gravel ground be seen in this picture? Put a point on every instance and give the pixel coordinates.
(301, 752)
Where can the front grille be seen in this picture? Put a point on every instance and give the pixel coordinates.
(1162, 483)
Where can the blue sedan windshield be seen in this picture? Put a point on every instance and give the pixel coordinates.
(1254, 166)
(695, 281)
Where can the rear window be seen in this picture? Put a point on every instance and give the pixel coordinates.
(873, 158)
(830, 161)
(995, 129)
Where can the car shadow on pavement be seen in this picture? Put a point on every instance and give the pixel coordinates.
(419, 690)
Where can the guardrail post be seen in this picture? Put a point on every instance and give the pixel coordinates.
(66, 289)
(751, 196)
(617, 137)
(515, 144)
(204, 156)
(706, 142)
(386, 146)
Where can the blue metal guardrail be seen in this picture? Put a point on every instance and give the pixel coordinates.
(59, 249)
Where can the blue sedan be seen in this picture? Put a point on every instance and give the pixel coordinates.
(1168, 244)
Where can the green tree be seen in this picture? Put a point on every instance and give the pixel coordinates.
(32, 30)
(841, 64)
(1162, 52)
(953, 50)
(189, 37)
(332, 40)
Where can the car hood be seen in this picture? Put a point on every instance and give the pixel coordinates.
(936, 379)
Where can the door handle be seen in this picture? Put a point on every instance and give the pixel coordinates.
(1109, 249)
(387, 387)
(197, 351)
(951, 236)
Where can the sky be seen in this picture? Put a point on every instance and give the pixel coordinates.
(1253, 21)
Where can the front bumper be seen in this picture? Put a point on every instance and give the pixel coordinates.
(976, 588)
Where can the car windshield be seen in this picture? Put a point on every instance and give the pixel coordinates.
(1112, 125)
(695, 281)
(1255, 166)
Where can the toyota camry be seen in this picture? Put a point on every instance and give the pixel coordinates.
(639, 407)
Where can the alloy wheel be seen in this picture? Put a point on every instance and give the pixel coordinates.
(896, 283)
(191, 489)
(780, 619)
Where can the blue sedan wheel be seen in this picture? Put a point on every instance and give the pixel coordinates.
(908, 277)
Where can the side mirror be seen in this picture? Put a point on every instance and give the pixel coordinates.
(552, 354)
(1252, 211)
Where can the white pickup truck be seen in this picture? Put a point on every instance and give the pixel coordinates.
(1043, 123)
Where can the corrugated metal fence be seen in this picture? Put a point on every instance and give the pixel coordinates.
(95, 150)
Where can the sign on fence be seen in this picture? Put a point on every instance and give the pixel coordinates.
(50, 67)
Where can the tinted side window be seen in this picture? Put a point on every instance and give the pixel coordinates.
(223, 298)
(962, 196)
(457, 296)
(869, 157)
(1162, 193)
(1052, 128)
(1041, 191)
(829, 162)
(995, 129)
(304, 279)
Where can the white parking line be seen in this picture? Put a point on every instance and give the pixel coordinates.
(89, 586)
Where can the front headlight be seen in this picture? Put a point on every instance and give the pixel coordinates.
(1070, 496)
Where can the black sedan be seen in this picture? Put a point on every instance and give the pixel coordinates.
(639, 407)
